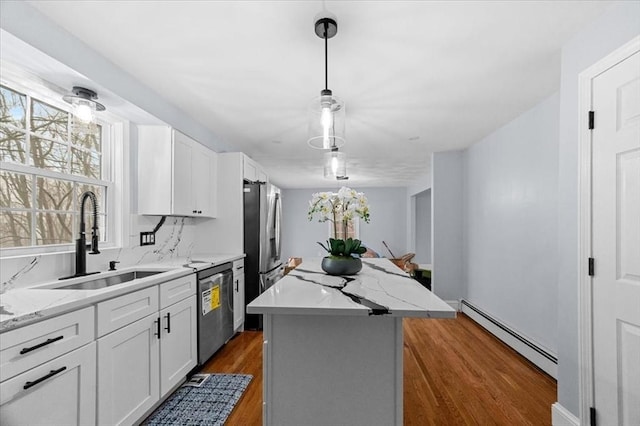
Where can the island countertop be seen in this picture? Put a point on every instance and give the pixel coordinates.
(380, 288)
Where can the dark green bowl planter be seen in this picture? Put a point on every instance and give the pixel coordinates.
(334, 265)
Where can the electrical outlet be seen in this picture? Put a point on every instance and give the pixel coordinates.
(147, 238)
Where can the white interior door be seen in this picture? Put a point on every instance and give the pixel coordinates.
(616, 243)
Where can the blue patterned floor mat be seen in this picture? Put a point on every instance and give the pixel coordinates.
(207, 405)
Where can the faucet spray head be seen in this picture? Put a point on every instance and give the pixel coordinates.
(94, 242)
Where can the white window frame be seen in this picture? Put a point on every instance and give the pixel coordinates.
(115, 166)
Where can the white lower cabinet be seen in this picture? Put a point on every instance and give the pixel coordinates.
(178, 343)
(55, 372)
(142, 362)
(58, 392)
(128, 380)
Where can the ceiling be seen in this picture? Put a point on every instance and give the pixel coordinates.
(417, 76)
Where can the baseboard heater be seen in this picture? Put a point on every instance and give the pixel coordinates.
(539, 356)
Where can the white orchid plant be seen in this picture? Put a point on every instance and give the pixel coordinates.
(344, 206)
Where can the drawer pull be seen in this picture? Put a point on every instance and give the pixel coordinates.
(168, 322)
(43, 378)
(45, 343)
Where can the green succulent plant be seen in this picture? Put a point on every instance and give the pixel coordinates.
(343, 248)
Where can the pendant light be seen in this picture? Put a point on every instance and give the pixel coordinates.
(335, 164)
(84, 106)
(326, 112)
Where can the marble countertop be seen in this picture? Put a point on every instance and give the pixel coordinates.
(24, 306)
(380, 288)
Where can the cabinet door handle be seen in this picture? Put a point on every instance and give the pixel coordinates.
(237, 285)
(168, 328)
(43, 378)
(199, 211)
(45, 343)
(195, 211)
(157, 333)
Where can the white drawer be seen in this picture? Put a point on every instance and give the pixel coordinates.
(175, 290)
(59, 392)
(120, 311)
(26, 347)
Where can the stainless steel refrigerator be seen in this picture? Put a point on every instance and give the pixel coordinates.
(262, 243)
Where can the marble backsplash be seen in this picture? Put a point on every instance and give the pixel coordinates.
(174, 239)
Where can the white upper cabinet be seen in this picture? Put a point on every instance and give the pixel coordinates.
(205, 164)
(182, 202)
(253, 171)
(176, 175)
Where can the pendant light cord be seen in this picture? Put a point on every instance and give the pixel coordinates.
(326, 57)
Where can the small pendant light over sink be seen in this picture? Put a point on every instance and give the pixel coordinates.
(84, 104)
(326, 112)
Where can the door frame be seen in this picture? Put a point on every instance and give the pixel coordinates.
(585, 281)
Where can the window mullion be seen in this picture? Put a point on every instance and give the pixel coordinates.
(19, 168)
(34, 200)
(27, 139)
(27, 128)
(69, 153)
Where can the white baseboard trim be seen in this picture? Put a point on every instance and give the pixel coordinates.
(560, 416)
(543, 359)
(455, 304)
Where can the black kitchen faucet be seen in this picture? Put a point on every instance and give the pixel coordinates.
(81, 243)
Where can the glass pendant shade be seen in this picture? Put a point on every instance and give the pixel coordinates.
(326, 122)
(84, 105)
(335, 165)
(84, 110)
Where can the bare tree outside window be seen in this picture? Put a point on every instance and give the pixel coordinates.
(58, 161)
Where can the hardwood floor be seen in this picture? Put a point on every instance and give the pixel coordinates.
(242, 355)
(455, 373)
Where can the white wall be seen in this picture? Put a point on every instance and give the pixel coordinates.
(421, 184)
(510, 192)
(422, 234)
(447, 225)
(618, 25)
(388, 222)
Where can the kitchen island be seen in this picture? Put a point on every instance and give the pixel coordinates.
(332, 351)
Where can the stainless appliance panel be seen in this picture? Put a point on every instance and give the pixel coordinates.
(215, 320)
(263, 221)
(273, 230)
(270, 278)
(262, 239)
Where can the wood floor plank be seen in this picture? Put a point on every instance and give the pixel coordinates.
(455, 373)
(242, 355)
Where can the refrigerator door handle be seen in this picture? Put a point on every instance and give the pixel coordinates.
(263, 285)
(277, 226)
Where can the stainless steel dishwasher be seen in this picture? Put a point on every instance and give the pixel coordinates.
(215, 309)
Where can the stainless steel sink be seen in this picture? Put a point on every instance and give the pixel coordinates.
(98, 283)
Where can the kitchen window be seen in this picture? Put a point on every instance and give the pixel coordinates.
(47, 161)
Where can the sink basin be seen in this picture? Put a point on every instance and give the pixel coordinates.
(98, 283)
